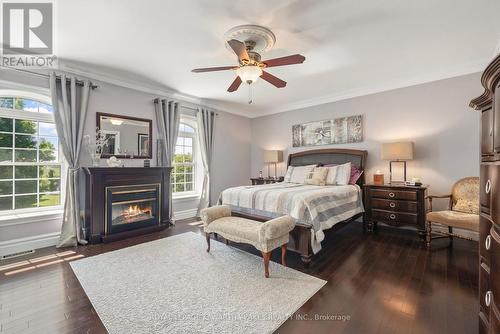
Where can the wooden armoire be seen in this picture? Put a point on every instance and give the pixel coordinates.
(489, 229)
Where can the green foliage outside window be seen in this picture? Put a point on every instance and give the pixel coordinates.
(30, 173)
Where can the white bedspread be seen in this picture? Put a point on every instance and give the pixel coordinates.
(320, 206)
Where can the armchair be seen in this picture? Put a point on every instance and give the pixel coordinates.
(462, 212)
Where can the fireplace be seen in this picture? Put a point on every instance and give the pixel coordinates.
(124, 202)
(132, 207)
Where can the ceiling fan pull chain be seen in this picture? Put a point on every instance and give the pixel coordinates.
(250, 100)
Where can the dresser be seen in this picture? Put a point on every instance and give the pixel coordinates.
(396, 205)
(489, 222)
(266, 180)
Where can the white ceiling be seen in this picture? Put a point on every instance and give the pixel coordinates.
(351, 47)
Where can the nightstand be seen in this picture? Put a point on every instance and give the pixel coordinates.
(266, 180)
(395, 205)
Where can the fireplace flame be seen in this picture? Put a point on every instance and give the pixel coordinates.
(135, 210)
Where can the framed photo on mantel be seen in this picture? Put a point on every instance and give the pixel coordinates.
(334, 131)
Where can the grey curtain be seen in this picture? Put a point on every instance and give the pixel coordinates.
(70, 102)
(206, 132)
(168, 117)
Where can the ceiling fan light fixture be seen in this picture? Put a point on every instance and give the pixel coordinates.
(249, 73)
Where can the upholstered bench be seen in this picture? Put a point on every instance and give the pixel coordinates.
(263, 236)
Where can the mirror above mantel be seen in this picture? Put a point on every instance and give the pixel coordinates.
(128, 137)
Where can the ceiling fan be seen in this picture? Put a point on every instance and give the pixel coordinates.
(250, 66)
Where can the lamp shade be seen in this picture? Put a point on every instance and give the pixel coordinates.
(249, 73)
(273, 156)
(397, 151)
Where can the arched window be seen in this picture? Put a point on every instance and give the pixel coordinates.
(30, 165)
(184, 171)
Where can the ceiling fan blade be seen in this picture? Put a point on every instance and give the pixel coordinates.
(212, 69)
(235, 85)
(288, 60)
(240, 49)
(273, 80)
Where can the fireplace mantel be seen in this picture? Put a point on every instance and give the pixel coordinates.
(98, 181)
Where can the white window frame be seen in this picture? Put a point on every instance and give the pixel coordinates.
(38, 117)
(191, 122)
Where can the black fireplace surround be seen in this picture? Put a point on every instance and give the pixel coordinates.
(124, 202)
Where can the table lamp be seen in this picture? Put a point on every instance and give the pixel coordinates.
(399, 152)
(272, 157)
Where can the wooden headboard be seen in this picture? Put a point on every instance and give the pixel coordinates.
(330, 156)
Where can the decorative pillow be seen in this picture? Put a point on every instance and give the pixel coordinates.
(467, 206)
(331, 175)
(338, 174)
(317, 177)
(288, 174)
(300, 173)
(355, 174)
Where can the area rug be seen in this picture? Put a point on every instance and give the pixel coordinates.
(173, 285)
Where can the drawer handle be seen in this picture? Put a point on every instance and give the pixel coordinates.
(391, 195)
(487, 187)
(487, 298)
(392, 216)
(487, 242)
(392, 205)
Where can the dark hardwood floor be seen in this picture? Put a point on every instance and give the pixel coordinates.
(385, 282)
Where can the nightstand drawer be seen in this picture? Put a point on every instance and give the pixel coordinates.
(392, 217)
(394, 205)
(394, 194)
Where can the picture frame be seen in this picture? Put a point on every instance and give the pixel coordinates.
(143, 144)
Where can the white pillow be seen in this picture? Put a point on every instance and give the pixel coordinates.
(298, 174)
(288, 174)
(339, 175)
(331, 175)
(343, 174)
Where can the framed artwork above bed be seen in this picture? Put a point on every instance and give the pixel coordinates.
(333, 131)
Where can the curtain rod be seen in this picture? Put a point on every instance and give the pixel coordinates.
(184, 106)
(58, 77)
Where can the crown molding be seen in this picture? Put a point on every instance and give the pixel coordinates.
(374, 89)
(193, 101)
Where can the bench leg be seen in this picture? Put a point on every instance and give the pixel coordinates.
(283, 254)
(207, 235)
(267, 257)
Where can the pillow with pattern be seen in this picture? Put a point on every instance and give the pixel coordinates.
(355, 174)
(317, 177)
(338, 175)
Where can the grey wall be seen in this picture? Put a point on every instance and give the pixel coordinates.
(435, 116)
(231, 164)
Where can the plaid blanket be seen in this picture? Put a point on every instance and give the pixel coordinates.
(320, 206)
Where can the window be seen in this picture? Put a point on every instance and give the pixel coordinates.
(30, 166)
(184, 165)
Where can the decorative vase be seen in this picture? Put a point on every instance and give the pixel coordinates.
(96, 157)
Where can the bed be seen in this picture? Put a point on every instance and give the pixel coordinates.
(316, 209)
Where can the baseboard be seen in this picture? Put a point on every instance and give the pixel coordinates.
(25, 244)
(185, 214)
